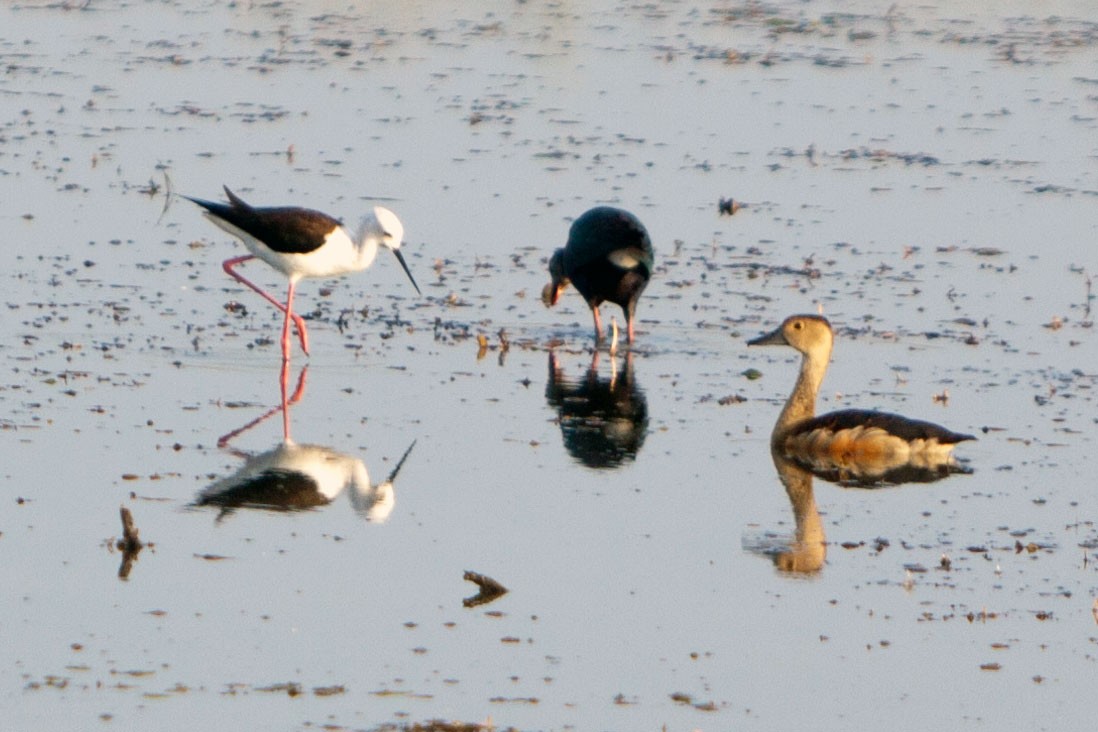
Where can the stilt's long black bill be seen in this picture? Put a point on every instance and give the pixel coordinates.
(400, 258)
(393, 475)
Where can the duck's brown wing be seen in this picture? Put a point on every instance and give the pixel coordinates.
(894, 424)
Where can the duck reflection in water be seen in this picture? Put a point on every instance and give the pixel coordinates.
(293, 477)
(603, 420)
(806, 553)
(851, 447)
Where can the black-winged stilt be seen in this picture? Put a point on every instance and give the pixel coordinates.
(608, 258)
(300, 242)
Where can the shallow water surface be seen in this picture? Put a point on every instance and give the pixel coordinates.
(923, 177)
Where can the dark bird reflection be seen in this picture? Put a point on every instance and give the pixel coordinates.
(603, 420)
(298, 477)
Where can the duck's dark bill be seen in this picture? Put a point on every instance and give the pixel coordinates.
(773, 338)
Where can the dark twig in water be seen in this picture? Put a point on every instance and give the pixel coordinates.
(130, 541)
(130, 544)
(489, 589)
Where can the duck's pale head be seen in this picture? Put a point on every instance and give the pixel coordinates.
(809, 334)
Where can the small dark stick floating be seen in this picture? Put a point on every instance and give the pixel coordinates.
(130, 541)
(609, 258)
(855, 440)
(300, 242)
(130, 544)
(489, 589)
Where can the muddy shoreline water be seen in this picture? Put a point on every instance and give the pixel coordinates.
(925, 176)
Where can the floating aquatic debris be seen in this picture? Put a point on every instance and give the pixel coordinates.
(490, 590)
(130, 544)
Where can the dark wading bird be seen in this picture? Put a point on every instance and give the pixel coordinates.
(300, 242)
(856, 446)
(608, 258)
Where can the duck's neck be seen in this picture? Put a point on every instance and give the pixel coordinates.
(802, 402)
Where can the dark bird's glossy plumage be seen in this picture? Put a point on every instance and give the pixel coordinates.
(860, 443)
(609, 258)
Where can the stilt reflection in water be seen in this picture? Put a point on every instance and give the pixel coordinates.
(287, 401)
(292, 477)
(603, 420)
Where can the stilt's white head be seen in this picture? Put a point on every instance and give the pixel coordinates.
(389, 230)
(386, 227)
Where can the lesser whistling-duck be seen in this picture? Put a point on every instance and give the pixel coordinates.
(857, 440)
(609, 258)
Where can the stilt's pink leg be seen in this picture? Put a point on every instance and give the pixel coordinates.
(284, 380)
(229, 264)
(629, 328)
(286, 327)
(283, 383)
(300, 390)
(598, 325)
